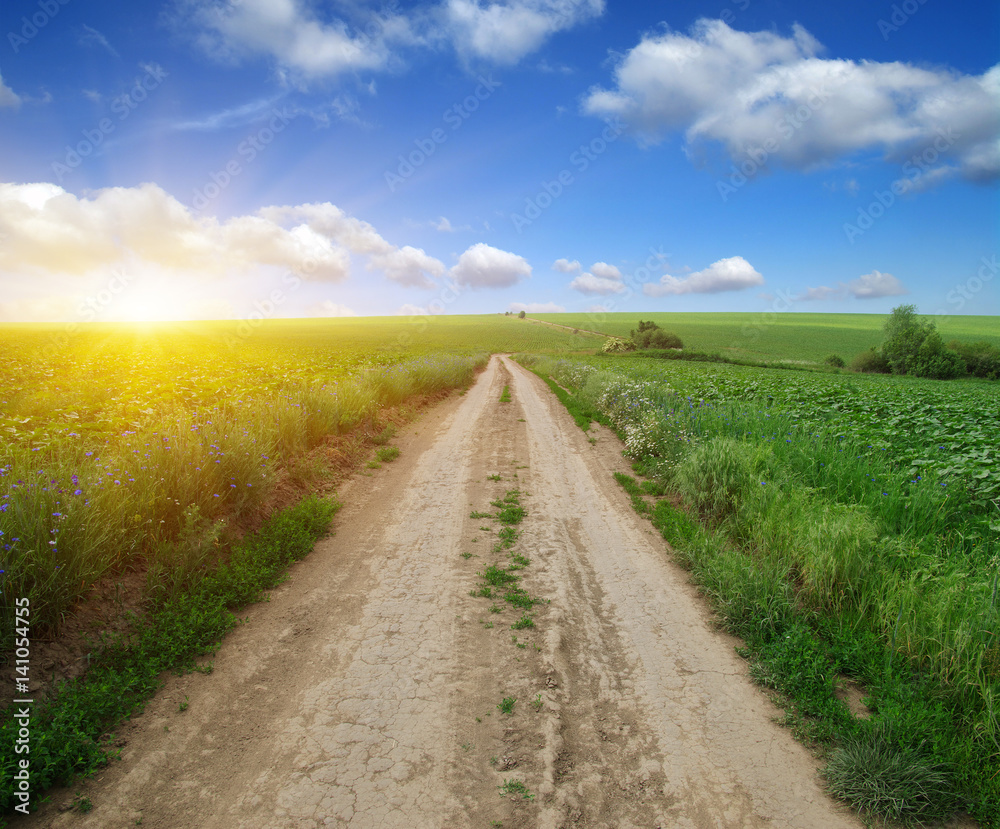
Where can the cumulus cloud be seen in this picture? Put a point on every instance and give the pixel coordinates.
(8, 97)
(48, 230)
(293, 35)
(591, 284)
(565, 266)
(753, 90)
(504, 32)
(407, 265)
(605, 271)
(536, 308)
(329, 308)
(732, 274)
(875, 285)
(483, 266)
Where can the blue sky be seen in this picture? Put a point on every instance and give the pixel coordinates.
(209, 159)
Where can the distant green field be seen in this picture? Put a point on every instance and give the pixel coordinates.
(806, 338)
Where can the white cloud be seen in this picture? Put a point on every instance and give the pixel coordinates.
(606, 271)
(407, 265)
(588, 283)
(483, 266)
(504, 32)
(732, 274)
(875, 285)
(751, 90)
(565, 266)
(49, 230)
(536, 308)
(290, 32)
(329, 308)
(8, 97)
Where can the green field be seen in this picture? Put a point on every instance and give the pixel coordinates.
(846, 526)
(788, 337)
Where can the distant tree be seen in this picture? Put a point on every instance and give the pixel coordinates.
(905, 332)
(835, 360)
(521, 316)
(650, 335)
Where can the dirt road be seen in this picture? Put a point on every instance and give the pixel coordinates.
(365, 693)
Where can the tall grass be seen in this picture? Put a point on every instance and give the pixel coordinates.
(80, 507)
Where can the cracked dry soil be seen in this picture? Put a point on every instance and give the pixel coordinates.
(365, 692)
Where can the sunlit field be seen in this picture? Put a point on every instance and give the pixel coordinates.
(116, 439)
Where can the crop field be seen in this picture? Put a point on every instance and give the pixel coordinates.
(784, 336)
(118, 439)
(856, 515)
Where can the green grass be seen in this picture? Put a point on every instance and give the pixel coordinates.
(387, 453)
(824, 544)
(506, 705)
(505, 395)
(809, 338)
(69, 726)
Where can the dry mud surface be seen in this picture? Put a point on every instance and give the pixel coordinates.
(365, 693)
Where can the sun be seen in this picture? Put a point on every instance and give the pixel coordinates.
(148, 303)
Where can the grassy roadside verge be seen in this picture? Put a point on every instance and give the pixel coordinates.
(194, 588)
(837, 582)
(69, 727)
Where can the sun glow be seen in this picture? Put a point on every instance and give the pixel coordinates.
(149, 303)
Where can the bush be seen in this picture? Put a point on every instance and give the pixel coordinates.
(870, 362)
(934, 359)
(835, 360)
(650, 335)
(981, 359)
(521, 315)
(616, 345)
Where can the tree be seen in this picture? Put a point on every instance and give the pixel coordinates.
(650, 335)
(904, 334)
(521, 316)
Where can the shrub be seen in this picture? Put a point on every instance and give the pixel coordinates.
(835, 360)
(650, 335)
(616, 345)
(981, 359)
(870, 362)
(934, 359)
(520, 316)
